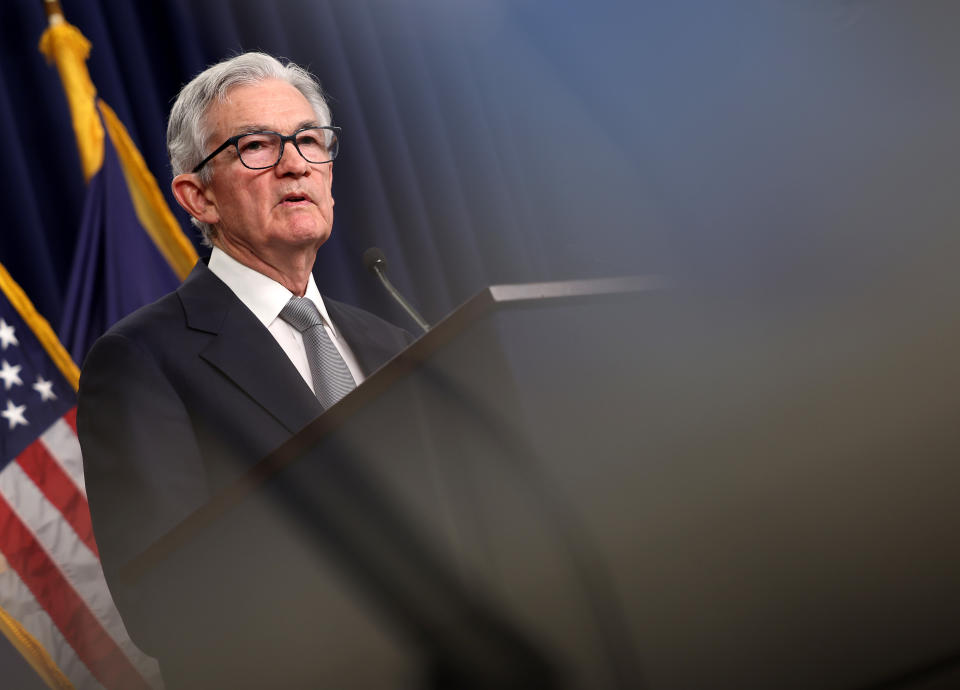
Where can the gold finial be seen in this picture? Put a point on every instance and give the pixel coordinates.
(54, 11)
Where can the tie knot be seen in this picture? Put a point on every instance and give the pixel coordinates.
(301, 313)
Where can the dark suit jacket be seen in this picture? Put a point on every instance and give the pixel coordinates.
(181, 397)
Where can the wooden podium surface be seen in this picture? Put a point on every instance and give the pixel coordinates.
(596, 484)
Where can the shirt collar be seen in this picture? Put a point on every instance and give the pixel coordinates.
(264, 296)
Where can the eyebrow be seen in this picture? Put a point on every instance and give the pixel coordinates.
(251, 128)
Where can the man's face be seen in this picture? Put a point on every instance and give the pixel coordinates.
(268, 212)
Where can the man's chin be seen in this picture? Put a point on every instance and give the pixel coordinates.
(303, 235)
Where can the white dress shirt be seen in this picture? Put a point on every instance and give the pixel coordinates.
(265, 297)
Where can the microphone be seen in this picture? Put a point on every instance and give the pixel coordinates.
(376, 263)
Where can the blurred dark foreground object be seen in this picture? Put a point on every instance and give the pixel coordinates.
(594, 484)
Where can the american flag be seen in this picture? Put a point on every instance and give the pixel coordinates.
(54, 601)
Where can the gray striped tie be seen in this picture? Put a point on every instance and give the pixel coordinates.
(331, 378)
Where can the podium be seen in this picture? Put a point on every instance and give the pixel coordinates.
(591, 484)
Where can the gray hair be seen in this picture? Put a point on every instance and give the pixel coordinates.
(187, 130)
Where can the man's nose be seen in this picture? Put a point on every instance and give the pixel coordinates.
(291, 162)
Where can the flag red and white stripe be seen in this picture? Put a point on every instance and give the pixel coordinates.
(53, 583)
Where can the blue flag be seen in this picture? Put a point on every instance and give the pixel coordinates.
(116, 266)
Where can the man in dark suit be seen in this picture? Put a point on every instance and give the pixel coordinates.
(180, 398)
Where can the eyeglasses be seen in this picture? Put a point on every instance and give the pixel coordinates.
(261, 150)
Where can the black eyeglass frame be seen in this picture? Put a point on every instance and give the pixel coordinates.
(284, 138)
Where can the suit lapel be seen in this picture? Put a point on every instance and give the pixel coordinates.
(244, 351)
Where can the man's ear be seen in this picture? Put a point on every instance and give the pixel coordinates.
(332, 200)
(195, 198)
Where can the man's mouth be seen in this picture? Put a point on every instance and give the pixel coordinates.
(294, 198)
